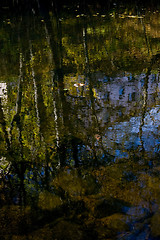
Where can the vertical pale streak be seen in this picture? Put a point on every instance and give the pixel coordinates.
(35, 87)
(54, 102)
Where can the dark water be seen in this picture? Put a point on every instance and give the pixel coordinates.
(80, 124)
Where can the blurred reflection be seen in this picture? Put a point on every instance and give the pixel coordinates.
(79, 124)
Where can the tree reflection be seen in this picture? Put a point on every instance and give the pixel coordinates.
(69, 125)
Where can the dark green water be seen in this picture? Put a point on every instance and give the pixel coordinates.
(80, 124)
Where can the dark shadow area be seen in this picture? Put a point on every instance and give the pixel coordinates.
(25, 7)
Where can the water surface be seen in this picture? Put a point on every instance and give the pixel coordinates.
(80, 124)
